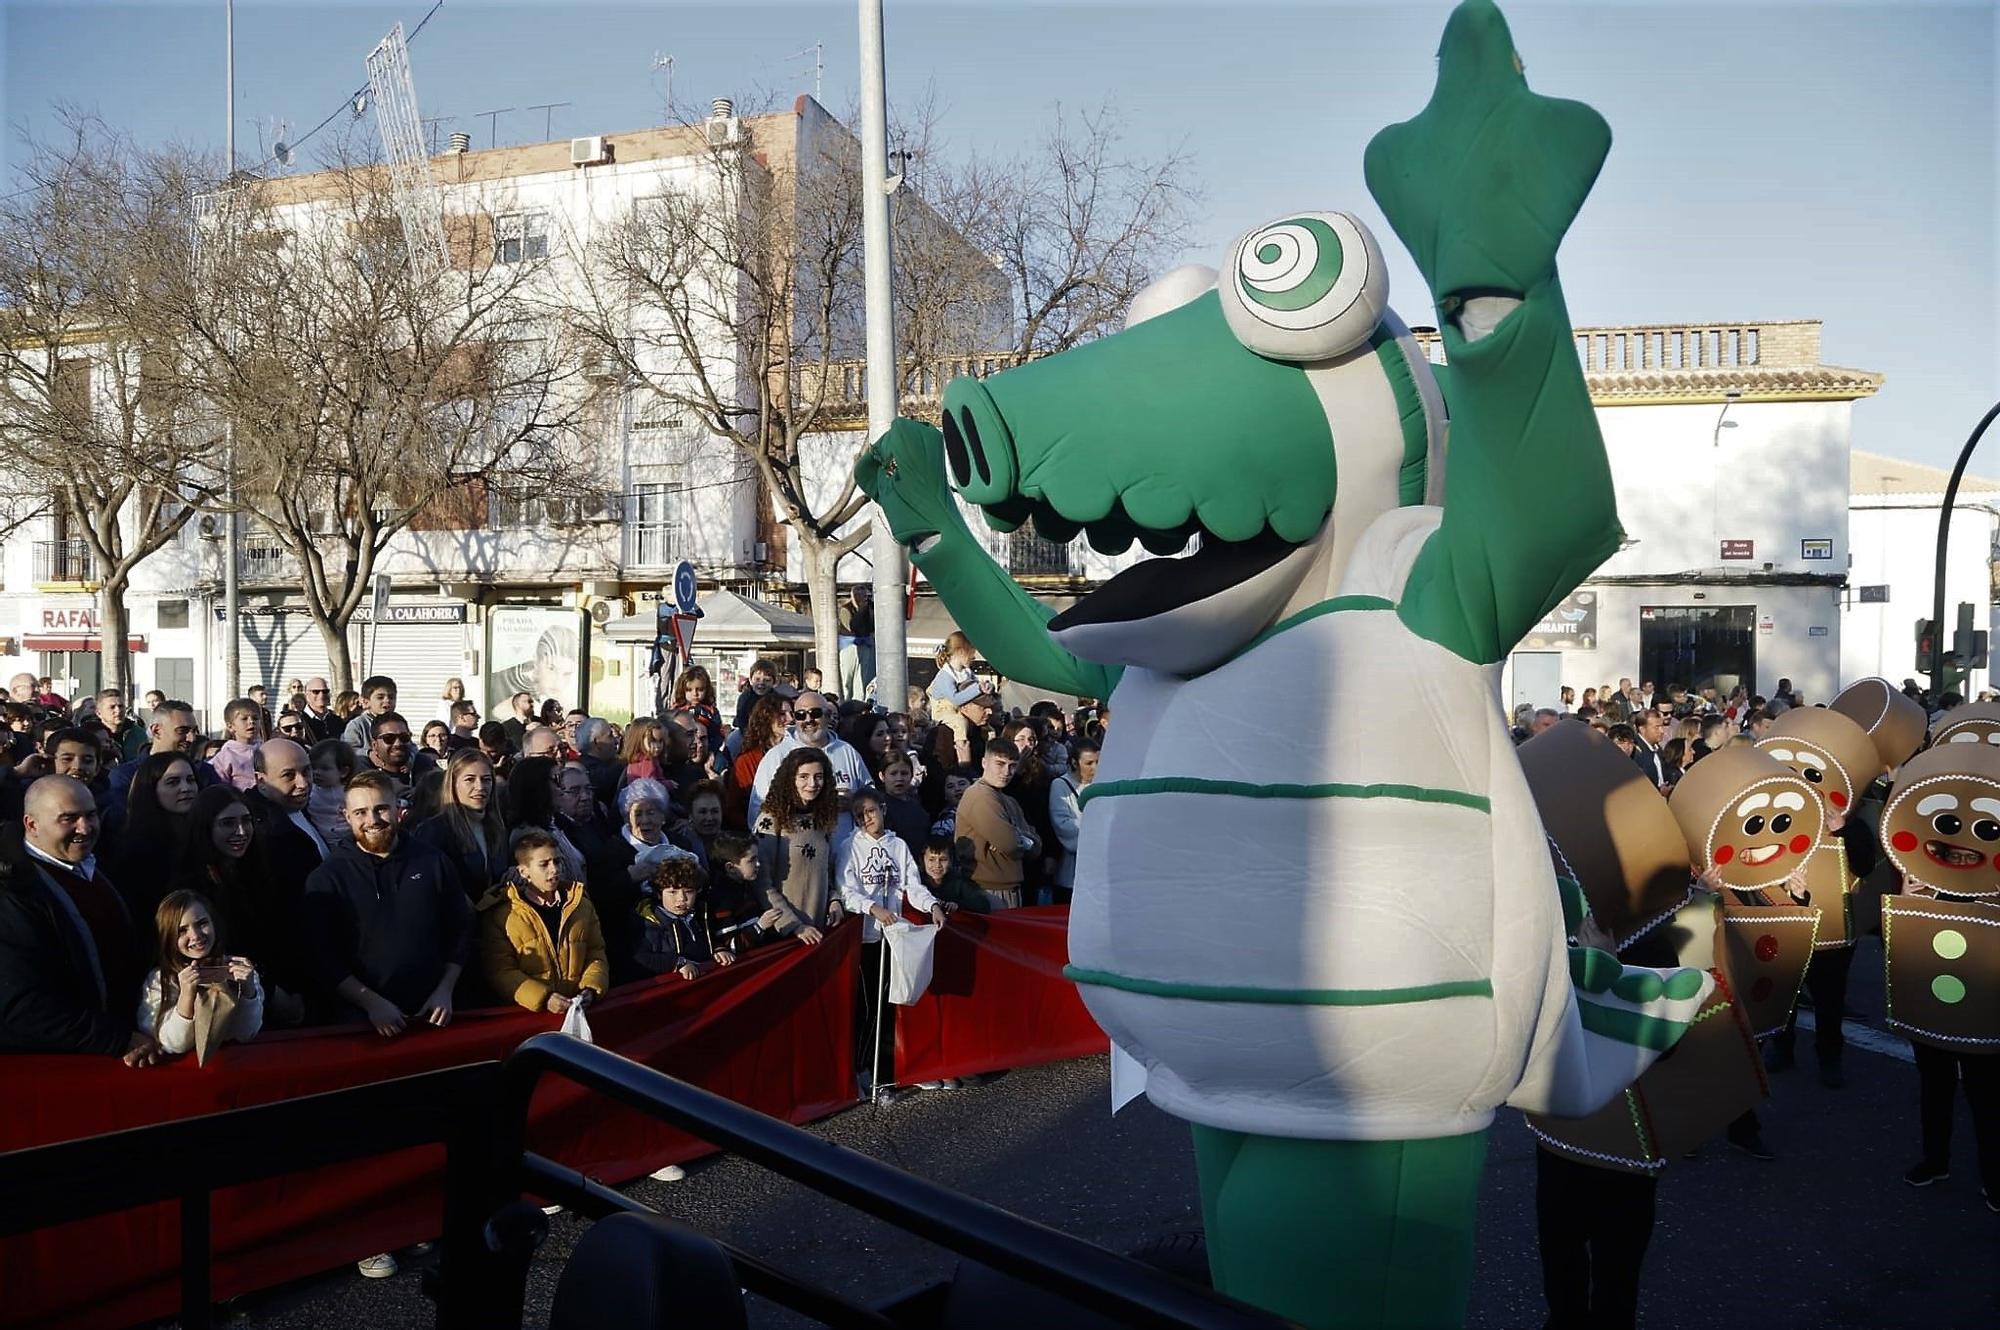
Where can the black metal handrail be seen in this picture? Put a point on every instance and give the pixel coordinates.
(121, 1170)
(1086, 1275)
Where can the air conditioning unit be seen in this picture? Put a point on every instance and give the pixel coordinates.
(724, 132)
(606, 608)
(590, 151)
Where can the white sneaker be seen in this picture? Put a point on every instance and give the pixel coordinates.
(671, 1173)
(380, 1266)
(552, 1210)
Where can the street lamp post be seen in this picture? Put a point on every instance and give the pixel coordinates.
(1943, 543)
(232, 660)
(891, 564)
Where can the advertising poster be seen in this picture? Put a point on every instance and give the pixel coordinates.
(531, 649)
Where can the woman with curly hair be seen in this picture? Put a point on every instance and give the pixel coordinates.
(795, 844)
(767, 724)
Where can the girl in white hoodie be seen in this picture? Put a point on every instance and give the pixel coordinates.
(875, 875)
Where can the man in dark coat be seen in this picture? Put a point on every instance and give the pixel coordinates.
(388, 924)
(70, 954)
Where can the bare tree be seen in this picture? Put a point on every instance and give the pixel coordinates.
(730, 299)
(738, 297)
(1073, 227)
(96, 408)
(366, 391)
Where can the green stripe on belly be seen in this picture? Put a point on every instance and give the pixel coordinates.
(1284, 997)
(1631, 1027)
(1422, 794)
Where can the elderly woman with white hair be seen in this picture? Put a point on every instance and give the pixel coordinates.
(642, 846)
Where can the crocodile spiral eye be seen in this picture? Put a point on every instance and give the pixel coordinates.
(1309, 287)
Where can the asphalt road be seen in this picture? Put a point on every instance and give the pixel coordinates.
(1825, 1236)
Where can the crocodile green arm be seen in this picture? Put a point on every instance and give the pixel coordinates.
(903, 471)
(1480, 186)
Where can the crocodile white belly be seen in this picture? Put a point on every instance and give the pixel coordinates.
(1312, 892)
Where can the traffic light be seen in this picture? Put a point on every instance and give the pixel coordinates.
(1926, 645)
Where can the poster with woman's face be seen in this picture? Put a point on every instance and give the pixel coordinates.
(532, 649)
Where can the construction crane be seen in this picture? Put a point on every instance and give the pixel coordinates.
(394, 94)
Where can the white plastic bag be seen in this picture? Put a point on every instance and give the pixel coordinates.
(910, 948)
(574, 1023)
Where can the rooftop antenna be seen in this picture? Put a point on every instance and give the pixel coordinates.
(818, 52)
(548, 110)
(666, 62)
(432, 123)
(493, 122)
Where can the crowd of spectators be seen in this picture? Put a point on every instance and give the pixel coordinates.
(360, 858)
(325, 860)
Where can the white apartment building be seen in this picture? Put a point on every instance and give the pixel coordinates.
(1728, 445)
(1893, 511)
(507, 589)
(1729, 452)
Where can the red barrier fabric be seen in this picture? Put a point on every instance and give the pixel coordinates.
(775, 1032)
(997, 999)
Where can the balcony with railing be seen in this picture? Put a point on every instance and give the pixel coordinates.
(266, 565)
(844, 385)
(64, 563)
(1030, 556)
(1625, 365)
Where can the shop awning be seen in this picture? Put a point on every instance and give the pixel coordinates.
(79, 642)
(727, 619)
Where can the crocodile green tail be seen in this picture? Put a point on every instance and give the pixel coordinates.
(1342, 1235)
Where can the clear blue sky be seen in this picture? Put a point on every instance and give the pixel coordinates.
(1776, 160)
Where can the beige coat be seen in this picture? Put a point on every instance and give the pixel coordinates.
(992, 830)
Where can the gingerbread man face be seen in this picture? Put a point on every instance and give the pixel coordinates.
(1973, 723)
(1747, 815)
(1941, 825)
(1834, 754)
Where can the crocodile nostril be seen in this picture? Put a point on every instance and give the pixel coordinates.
(971, 430)
(954, 452)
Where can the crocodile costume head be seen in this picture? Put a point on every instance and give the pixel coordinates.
(1263, 417)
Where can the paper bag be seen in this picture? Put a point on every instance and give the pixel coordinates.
(910, 955)
(574, 1023)
(1942, 972)
(214, 1005)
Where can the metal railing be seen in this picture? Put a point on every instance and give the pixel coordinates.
(266, 563)
(64, 561)
(1081, 1273)
(123, 1170)
(1029, 554)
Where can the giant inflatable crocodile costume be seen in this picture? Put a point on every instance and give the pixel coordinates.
(1312, 893)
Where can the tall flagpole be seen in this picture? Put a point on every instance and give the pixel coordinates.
(891, 563)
